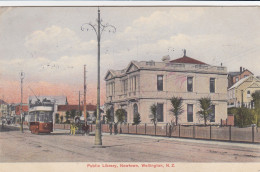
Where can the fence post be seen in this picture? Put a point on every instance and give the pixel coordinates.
(128, 128)
(91, 127)
(210, 132)
(220, 122)
(155, 129)
(136, 129)
(179, 130)
(193, 131)
(253, 134)
(145, 129)
(166, 129)
(230, 133)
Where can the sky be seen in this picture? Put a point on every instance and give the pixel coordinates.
(49, 46)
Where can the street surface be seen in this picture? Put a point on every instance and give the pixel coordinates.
(62, 147)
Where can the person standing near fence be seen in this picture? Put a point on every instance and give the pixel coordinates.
(115, 128)
(110, 128)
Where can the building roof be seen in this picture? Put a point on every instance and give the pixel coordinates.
(186, 59)
(89, 107)
(183, 64)
(3, 102)
(234, 73)
(242, 81)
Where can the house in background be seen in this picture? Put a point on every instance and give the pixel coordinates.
(234, 77)
(20, 109)
(142, 84)
(62, 109)
(3, 108)
(240, 93)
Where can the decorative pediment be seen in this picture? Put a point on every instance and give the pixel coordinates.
(109, 75)
(254, 85)
(131, 67)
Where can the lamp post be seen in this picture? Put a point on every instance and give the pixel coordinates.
(98, 28)
(21, 108)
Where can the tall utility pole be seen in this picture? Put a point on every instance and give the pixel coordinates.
(85, 90)
(21, 105)
(100, 28)
(79, 104)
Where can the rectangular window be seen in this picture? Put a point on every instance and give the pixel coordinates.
(248, 94)
(189, 84)
(212, 85)
(160, 82)
(125, 86)
(160, 112)
(190, 113)
(212, 115)
(135, 83)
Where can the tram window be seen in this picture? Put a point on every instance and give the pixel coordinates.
(41, 117)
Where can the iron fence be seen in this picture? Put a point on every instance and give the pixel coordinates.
(209, 132)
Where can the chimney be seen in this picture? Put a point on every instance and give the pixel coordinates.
(241, 69)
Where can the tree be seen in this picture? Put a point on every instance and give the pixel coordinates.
(108, 116)
(153, 110)
(205, 106)
(120, 115)
(67, 116)
(137, 119)
(243, 117)
(177, 108)
(73, 114)
(256, 111)
(57, 118)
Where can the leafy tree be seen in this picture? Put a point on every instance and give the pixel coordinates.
(205, 106)
(137, 119)
(177, 107)
(61, 119)
(243, 117)
(73, 114)
(256, 111)
(57, 118)
(153, 110)
(120, 115)
(108, 116)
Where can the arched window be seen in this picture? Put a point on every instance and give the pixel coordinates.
(125, 117)
(135, 109)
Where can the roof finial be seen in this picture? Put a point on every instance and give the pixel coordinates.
(184, 52)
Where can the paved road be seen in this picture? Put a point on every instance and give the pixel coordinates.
(61, 147)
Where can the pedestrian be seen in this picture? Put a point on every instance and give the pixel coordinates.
(115, 128)
(110, 128)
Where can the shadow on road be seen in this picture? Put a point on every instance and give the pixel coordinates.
(8, 128)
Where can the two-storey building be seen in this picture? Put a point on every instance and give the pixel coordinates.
(142, 84)
(240, 94)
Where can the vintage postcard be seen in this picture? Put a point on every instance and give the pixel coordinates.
(165, 88)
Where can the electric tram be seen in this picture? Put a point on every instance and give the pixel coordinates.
(41, 116)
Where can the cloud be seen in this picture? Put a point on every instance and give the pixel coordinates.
(55, 41)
